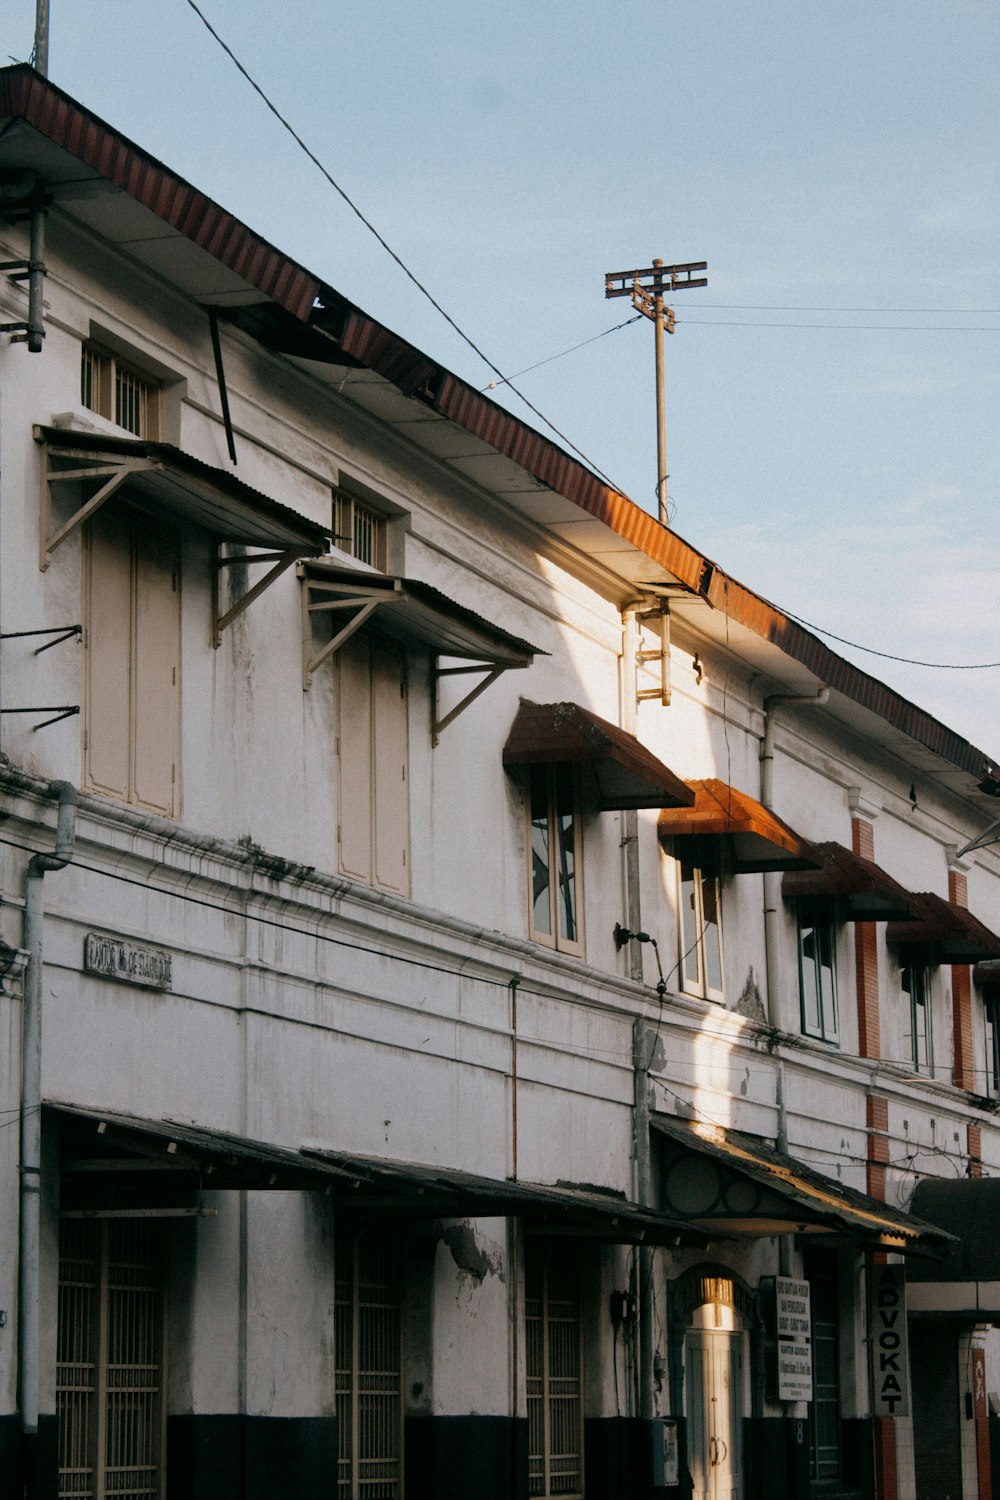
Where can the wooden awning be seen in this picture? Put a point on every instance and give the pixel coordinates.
(863, 892)
(734, 832)
(952, 934)
(618, 771)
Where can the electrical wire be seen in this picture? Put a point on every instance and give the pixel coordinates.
(944, 666)
(562, 354)
(840, 327)
(388, 248)
(989, 312)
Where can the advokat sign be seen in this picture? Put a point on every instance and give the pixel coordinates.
(887, 1339)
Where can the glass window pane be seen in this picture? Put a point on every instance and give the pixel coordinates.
(690, 926)
(566, 836)
(711, 940)
(540, 857)
(808, 972)
(825, 974)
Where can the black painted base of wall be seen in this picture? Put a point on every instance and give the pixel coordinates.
(453, 1458)
(29, 1468)
(251, 1458)
(620, 1461)
(776, 1460)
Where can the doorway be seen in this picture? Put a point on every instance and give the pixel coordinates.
(713, 1370)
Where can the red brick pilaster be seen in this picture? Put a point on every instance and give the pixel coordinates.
(866, 955)
(981, 1414)
(961, 998)
(974, 1139)
(886, 1478)
(878, 1144)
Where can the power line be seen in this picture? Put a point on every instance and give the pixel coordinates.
(391, 252)
(841, 327)
(908, 311)
(910, 661)
(562, 354)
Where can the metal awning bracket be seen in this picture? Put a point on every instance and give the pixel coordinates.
(440, 724)
(281, 562)
(364, 601)
(115, 474)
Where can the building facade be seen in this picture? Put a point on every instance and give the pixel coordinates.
(482, 989)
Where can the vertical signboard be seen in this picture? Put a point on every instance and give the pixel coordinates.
(887, 1340)
(794, 1339)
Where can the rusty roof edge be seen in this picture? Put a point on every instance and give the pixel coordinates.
(24, 93)
(27, 95)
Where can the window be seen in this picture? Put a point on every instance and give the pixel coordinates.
(132, 660)
(824, 1409)
(118, 391)
(914, 981)
(700, 931)
(817, 981)
(374, 806)
(991, 1016)
(110, 1377)
(554, 1371)
(359, 529)
(369, 1367)
(554, 854)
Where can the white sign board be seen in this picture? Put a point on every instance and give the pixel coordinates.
(794, 1329)
(887, 1336)
(117, 959)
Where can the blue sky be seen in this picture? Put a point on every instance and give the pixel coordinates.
(819, 154)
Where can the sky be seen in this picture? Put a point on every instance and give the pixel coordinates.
(832, 394)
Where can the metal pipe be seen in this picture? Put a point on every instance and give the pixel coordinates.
(31, 1113)
(36, 273)
(772, 899)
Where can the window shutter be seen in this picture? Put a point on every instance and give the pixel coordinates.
(391, 771)
(157, 668)
(354, 763)
(108, 656)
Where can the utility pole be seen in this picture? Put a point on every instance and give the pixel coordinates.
(41, 52)
(646, 288)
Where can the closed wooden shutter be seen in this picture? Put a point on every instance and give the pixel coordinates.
(354, 762)
(108, 611)
(389, 755)
(132, 673)
(157, 661)
(372, 769)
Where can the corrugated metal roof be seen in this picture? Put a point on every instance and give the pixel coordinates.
(354, 337)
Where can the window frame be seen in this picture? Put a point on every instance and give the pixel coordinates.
(352, 515)
(102, 372)
(918, 995)
(555, 784)
(827, 1026)
(542, 1387)
(357, 1249)
(991, 1027)
(699, 984)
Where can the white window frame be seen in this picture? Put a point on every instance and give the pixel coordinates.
(554, 1373)
(991, 1028)
(826, 1026)
(915, 986)
(551, 791)
(692, 945)
(369, 1363)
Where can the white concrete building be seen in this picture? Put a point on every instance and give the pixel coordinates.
(364, 759)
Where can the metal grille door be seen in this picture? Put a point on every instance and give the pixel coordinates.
(110, 1376)
(369, 1368)
(554, 1379)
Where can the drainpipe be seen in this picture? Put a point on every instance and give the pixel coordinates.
(31, 1118)
(640, 1059)
(772, 900)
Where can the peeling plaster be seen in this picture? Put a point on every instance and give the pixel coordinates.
(468, 1255)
